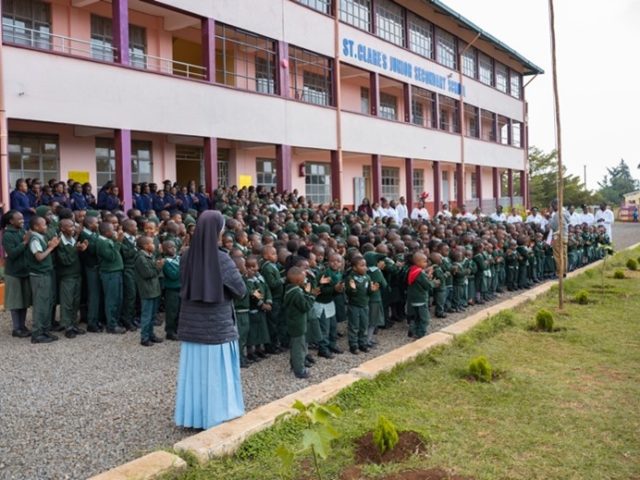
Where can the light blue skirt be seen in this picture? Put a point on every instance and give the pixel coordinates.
(209, 387)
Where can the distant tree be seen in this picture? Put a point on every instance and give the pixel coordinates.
(617, 182)
(543, 181)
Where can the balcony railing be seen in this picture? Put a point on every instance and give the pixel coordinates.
(98, 50)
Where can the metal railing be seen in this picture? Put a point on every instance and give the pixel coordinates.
(98, 51)
(505, 201)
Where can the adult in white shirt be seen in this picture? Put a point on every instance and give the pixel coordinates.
(514, 217)
(402, 211)
(498, 216)
(604, 217)
(392, 212)
(535, 217)
(587, 215)
(420, 212)
(576, 218)
(444, 212)
(376, 210)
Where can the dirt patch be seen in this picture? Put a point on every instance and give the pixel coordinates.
(430, 474)
(352, 473)
(409, 443)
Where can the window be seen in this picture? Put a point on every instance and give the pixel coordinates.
(265, 76)
(26, 22)
(485, 69)
(488, 129)
(516, 134)
(388, 106)
(469, 62)
(516, 84)
(418, 184)
(501, 77)
(33, 155)
(317, 179)
(323, 6)
(503, 128)
(423, 107)
(449, 114)
(474, 185)
(364, 101)
(266, 173)
(356, 13)
(471, 120)
(141, 161)
(389, 21)
(420, 36)
(245, 60)
(102, 42)
(445, 49)
(311, 77)
(390, 183)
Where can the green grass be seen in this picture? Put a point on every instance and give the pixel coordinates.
(566, 405)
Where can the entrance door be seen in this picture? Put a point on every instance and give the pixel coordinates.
(189, 164)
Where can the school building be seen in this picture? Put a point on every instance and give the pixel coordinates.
(334, 98)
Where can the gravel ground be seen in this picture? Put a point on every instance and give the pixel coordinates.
(75, 408)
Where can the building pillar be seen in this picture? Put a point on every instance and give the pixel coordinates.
(408, 178)
(523, 187)
(336, 177)
(479, 184)
(376, 177)
(437, 182)
(496, 185)
(282, 72)
(283, 168)
(374, 93)
(406, 88)
(460, 185)
(208, 29)
(122, 141)
(120, 28)
(210, 164)
(510, 185)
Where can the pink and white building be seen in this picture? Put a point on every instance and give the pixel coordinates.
(334, 98)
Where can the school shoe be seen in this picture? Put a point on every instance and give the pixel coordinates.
(42, 339)
(308, 364)
(78, 330)
(364, 348)
(303, 375)
(155, 339)
(171, 336)
(310, 359)
(51, 336)
(116, 330)
(69, 333)
(146, 343)
(21, 333)
(244, 362)
(336, 350)
(94, 329)
(253, 357)
(325, 354)
(56, 327)
(273, 350)
(354, 350)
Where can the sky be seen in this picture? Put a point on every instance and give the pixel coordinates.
(598, 58)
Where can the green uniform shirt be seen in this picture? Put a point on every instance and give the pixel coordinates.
(258, 283)
(147, 276)
(16, 263)
(418, 292)
(129, 253)
(328, 290)
(36, 267)
(89, 257)
(171, 272)
(67, 259)
(242, 304)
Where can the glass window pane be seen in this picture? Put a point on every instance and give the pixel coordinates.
(390, 21)
(356, 13)
(446, 49)
(501, 77)
(420, 36)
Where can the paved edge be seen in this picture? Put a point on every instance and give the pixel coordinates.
(226, 438)
(152, 466)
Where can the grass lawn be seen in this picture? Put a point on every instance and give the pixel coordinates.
(566, 406)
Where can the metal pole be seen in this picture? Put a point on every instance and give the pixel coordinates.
(585, 176)
(4, 137)
(338, 101)
(556, 97)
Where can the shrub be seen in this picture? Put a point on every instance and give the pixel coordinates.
(638, 260)
(582, 297)
(385, 435)
(618, 274)
(480, 369)
(632, 264)
(544, 320)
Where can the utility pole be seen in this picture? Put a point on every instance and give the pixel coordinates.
(560, 212)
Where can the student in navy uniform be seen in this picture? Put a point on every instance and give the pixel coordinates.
(20, 201)
(77, 199)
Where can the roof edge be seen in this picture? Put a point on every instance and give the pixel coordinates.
(533, 69)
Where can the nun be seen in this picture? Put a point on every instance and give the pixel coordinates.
(209, 389)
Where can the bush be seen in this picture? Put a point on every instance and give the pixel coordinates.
(544, 321)
(385, 435)
(618, 275)
(632, 264)
(480, 369)
(582, 297)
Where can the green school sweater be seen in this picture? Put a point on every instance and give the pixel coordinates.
(67, 260)
(418, 292)
(358, 296)
(109, 257)
(242, 304)
(129, 254)
(297, 305)
(328, 291)
(36, 267)
(271, 275)
(147, 276)
(17, 262)
(171, 272)
(89, 257)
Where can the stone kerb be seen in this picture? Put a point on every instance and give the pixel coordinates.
(150, 467)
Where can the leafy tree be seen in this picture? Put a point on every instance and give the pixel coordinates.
(617, 182)
(543, 181)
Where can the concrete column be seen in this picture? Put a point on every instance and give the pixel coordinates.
(376, 177)
(122, 141)
(479, 184)
(208, 29)
(437, 183)
(283, 168)
(282, 72)
(120, 26)
(406, 88)
(408, 169)
(510, 185)
(336, 176)
(460, 185)
(496, 185)
(210, 164)
(374, 93)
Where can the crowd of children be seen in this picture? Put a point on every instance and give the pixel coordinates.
(307, 268)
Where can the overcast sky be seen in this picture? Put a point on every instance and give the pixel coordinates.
(598, 57)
